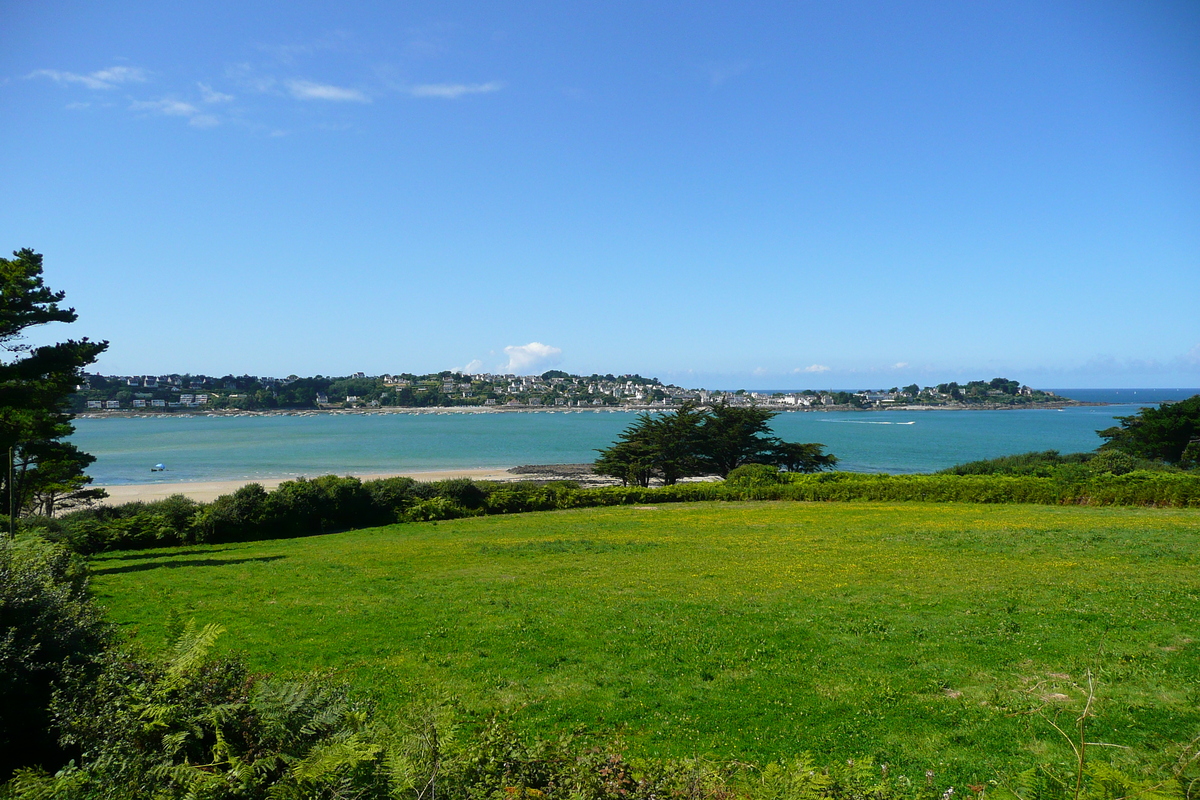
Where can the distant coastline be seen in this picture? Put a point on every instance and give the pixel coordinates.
(552, 390)
(128, 413)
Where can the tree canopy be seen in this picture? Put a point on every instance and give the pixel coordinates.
(692, 441)
(1170, 433)
(35, 387)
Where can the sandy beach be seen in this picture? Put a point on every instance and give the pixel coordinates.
(207, 491)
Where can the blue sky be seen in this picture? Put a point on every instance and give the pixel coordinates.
(771, 194)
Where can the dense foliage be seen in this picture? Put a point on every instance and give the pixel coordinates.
(330, 503)
(35, 390)
(1169, 432)
(49, 633)
(189, 725)
(1064, 466)
(712, 441)
(1043, 464)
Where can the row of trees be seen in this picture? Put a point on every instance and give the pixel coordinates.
(692, 441)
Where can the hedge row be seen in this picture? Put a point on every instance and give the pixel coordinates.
(303, 507)
(1132, 489)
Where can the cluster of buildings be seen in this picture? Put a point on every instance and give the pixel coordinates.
(162, 392)
(554, 389)
(184, 401)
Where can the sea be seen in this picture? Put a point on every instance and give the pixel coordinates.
(197, 447)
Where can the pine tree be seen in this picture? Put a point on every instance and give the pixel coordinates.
(35, 386)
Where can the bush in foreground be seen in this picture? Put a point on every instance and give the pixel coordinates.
(50, 632)
(191, 726)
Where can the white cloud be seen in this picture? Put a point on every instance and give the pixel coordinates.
(100, 79)
(116, 75)
(900, 365)
(172, 108)
(760, 371)
(813, 368)
(307, 90)
(211, 96)
(1192, 357)
(453, 91)
(176, 108)
(529, 358)
(473, 368)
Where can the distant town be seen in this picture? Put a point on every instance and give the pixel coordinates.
(550, 390)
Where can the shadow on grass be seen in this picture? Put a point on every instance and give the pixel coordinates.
(196, 562)
(105, 558)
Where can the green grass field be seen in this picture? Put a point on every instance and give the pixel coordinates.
(927, 635)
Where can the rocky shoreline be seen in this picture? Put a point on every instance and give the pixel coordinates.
(545, 473)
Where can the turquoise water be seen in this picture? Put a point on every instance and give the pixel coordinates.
(198, 448)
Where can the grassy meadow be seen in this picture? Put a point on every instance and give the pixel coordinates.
(941, 636)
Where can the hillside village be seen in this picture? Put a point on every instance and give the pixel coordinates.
(551, 390)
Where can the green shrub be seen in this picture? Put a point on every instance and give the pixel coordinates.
(433, 510)
(1041, 464)
(424, 490)
(1052, 464)
(236, 517)
(1140, 488)
(1076, 485)
(179, 513)
(521, 497)
(320, 505)
(188, 725)
(391, 495)
(755, 475)
(50, 630)
(172, 521)
(1112, 462)
(461, 491)
(1190, 457)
